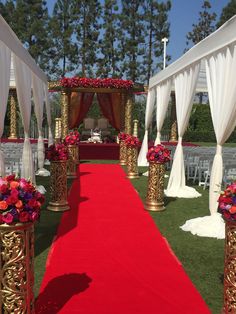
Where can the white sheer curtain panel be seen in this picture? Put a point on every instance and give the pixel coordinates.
(142, 160)
(221, 82)
(48, 111)
(5, 65)
(38, 94)
(23, 88)
(185, 85)
(162, 100)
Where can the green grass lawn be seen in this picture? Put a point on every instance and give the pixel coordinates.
(202, 258)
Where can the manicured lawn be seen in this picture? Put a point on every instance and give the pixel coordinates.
(202, 258)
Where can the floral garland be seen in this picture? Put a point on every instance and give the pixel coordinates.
(72, 138)
(71, 82)
(132, 141)
(227, 202)
(122, 136)
(57, 152)
(158, 154)
(19, 200)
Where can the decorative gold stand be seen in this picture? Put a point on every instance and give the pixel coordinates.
(13, 115)
(122, 153)
(230, 268)
(132, 162)
(73, 161)
(58, 186)
(155, 191)
(17, 268)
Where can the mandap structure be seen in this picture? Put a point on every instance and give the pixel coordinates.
(115, 98)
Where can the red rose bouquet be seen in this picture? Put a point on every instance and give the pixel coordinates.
(19, 200)
(72, 138)
(132, 141)
(122, 136)
(57, 152)
(70, 82)
(227, 202)
(158, 153)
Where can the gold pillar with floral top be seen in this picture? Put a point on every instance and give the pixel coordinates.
(13, 115)
(58, 186)
(128, 114)
(155, 190)
(17, 268)
(73, 161)
(65, 96)
(173, 128)
(57, 130)
(132, 162)
(230, 268)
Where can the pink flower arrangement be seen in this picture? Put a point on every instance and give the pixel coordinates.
(158, 153)
(132, 141)
(72, 138)
(122, 136)
(57, 152)
(19, 200)
(71, 82)
(227, 202)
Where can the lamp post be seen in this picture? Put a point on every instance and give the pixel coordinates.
(164, 40)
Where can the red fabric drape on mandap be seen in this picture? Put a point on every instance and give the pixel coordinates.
(111, 107)
(78, 107)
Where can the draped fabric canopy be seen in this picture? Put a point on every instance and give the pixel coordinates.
(216, 54)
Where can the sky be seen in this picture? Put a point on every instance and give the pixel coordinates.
(183, 14)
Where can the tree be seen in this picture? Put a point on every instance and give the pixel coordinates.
(156, 28)
(108, 62)
(7, 10)
(87, 29)
(204, 27)
(228, 11)
(64, 50)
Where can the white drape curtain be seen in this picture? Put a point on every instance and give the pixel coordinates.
(142, 160)
(162, 100)
(23, 88)
(5, 65)
(221, 82)
(48, 112)
(38, 94)
(185, 85)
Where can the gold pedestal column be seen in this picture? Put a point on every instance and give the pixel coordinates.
(58, 186)
(73, 161)
(132, 162)
(17, 268)
(173, 129)
(65, 96)
(135, 130)
(155, 190)
(230, 268)
(128, 114)
(122, 153)
(13, 115)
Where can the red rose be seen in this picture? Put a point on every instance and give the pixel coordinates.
(8, 218)
(12, 199)
(3, 188)
(24, 217)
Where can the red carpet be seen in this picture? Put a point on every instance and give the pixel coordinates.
(109, 257)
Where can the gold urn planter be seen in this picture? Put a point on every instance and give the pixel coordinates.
(230, 268)
(155, 190)
(73, 161)
(123, 152)
(132, 162)
(58, 186)
(17, 268)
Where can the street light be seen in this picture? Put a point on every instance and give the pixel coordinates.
(164, 40)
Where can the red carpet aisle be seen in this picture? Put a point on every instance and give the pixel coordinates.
(109, 257)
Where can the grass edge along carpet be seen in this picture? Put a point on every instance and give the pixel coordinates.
(109, 257)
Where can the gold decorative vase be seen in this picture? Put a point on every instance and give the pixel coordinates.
(230, 268)
(58, 186)
(122, 153)
(17, 268)
(155, 190)
(132, 162)
(73, 161)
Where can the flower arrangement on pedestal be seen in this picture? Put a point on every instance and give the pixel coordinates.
(19, 200)
(157, 156)
(72, 138)
(57, 152)
(70, 82)
(227, 202)
(122, 136)
(132, 143)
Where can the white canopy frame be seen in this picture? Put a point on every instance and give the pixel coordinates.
(208, 52)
